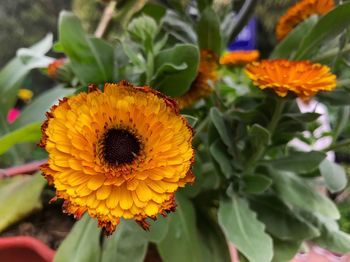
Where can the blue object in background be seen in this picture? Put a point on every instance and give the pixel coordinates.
(246, 39)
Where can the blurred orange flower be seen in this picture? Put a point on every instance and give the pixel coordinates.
(52, 68)
(239, 57)
(300, 12)
(202, 86)
(301, 77)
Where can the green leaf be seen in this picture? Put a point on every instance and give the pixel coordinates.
(203, 4)
(284, 251)
(82, 244)
(36, 110)
(280, 220)
(288, 45)
(124, 245)
(299, 162)
(296, 191)
(337, 241)
(158, 229)
(214, 243)
(91, 58)
(175, 26)
(259, 135)
(135, 58)
(331, 237)
(303, 117)
(208, 31)
(155, 11)
(255, 184)
(178, 82)
(334, 176)
(338, 97)
(218, 120)
(28, 133)
(167, 69)
(13, 74)
(192, 120)
(19, 196)
(327, 28)
(182, 242)
(244, 230)
(219, 153)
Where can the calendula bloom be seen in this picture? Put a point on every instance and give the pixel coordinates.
(52, 68)
(202, 86)
(300, 12)
(301, 77)
(239, 57)
(121, 153)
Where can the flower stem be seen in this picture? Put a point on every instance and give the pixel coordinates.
(261, 149)
(150, 67)
(341, 144)
(331, 53)
(343, 82)
(203, 124)
(276, 116)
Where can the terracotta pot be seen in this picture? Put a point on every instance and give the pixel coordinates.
(19, 249)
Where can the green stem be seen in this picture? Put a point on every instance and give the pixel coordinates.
(341, 144)
(276, 116)
(260, 151)
(343, 82)
(150, 67)
(199, 129)
(342, 123)
(331, 53)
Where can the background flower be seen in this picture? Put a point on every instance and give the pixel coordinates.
(239, 57)
(202, 86)
(301, 77)
(299, 12)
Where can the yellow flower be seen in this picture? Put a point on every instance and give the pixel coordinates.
(25, 94)
(239, 57)
(121, 153)
(202, 86)
(301, 77)
(300, 12)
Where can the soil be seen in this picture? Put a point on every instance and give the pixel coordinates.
(50, 225)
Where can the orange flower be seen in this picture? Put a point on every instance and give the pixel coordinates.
(299, 12)
(202, 86)
(120, 153)
(301, 77)
(52, 68)
(239, 57)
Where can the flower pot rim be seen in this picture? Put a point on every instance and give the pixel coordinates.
(30, 243)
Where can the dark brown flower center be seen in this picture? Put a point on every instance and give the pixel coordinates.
(120, 146)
